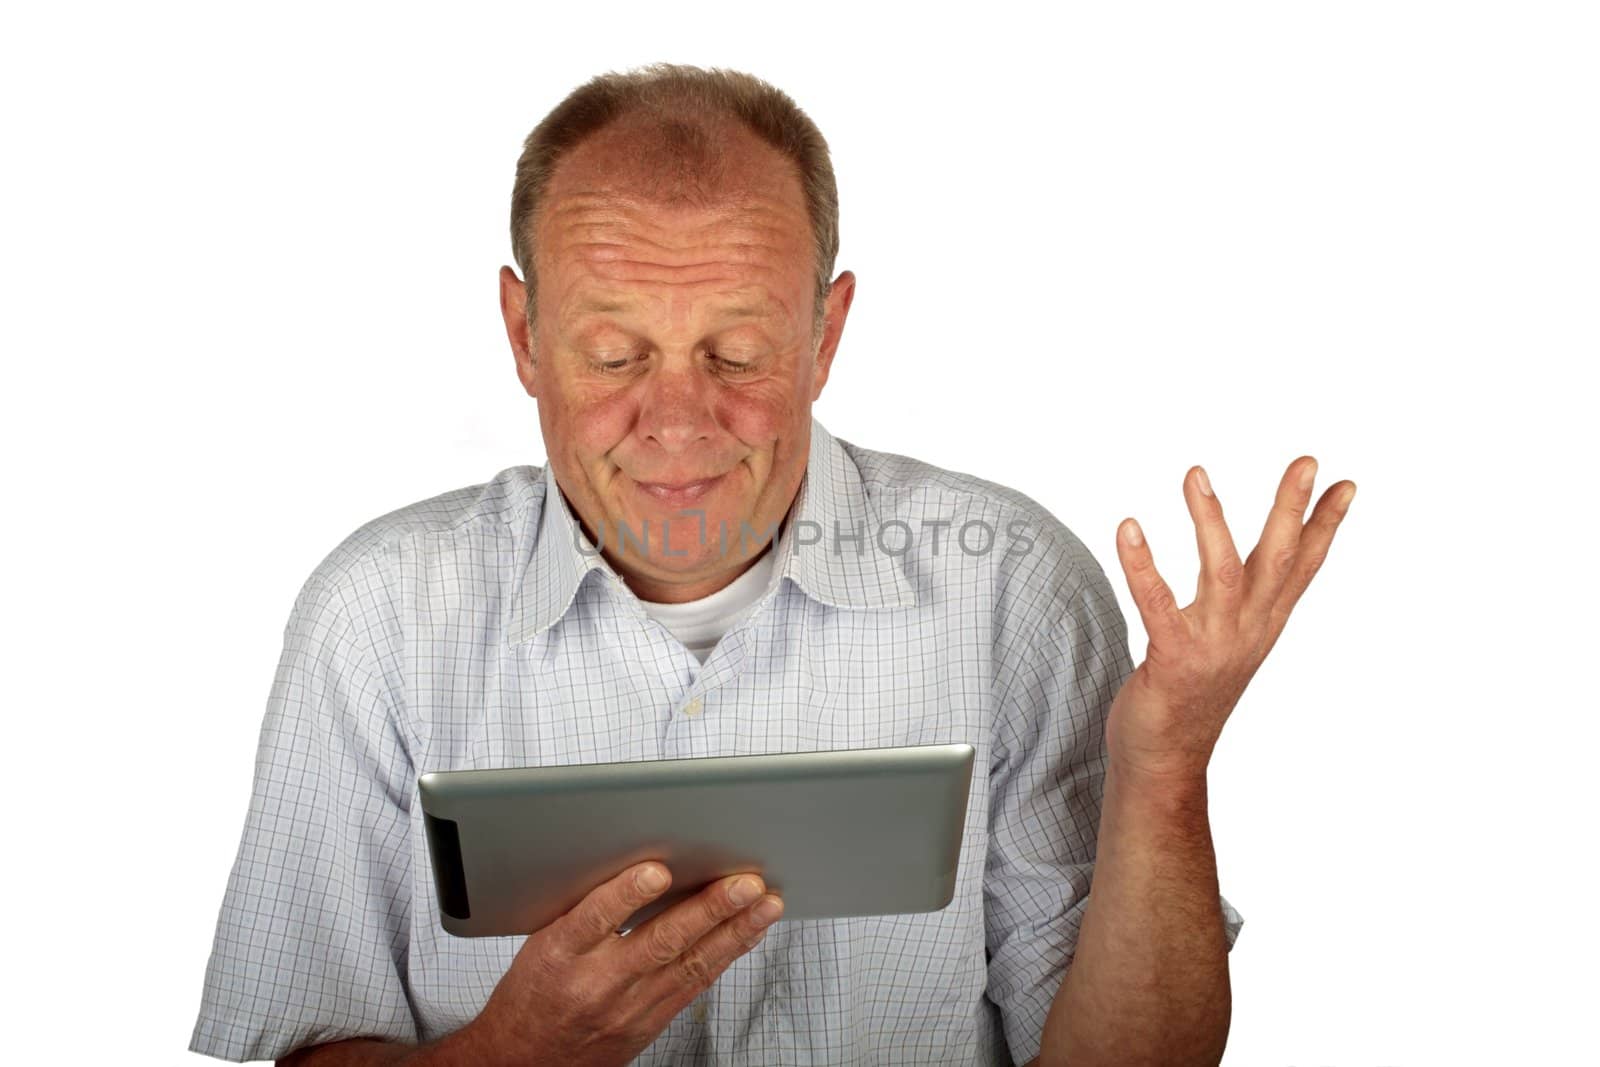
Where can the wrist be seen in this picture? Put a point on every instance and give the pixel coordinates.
(472, 1043)
(1178, 786)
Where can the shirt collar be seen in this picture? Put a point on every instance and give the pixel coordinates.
(829, 547)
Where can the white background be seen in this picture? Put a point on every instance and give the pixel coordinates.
(250, 303)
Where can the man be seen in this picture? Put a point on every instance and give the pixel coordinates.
(702, 569)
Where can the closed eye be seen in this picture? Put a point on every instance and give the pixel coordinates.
(732, 366)
(613, 366)
(722, 364)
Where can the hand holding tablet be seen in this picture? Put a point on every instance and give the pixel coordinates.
(578, 992)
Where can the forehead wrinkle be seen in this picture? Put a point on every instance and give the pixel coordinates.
(783, 225)
(743, 301)
(732, 260)
(613, 264)
(742, 243)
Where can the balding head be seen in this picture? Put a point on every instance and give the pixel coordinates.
(672, 130)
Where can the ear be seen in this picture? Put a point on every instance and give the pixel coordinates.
(836, 307)
(513, 297)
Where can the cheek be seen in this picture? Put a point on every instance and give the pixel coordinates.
(592, 421)
(758, 412)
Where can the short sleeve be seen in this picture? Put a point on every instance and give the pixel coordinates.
(311, 942)
(1047, 783)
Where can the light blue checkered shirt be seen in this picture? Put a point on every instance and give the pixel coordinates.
(910, 605)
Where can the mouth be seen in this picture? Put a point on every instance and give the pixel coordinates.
(679, 494)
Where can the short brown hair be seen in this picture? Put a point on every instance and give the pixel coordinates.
(685, 103)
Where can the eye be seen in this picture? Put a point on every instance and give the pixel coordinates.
(616, 366)
(731, 366)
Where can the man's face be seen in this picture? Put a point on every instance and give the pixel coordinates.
(673, 362)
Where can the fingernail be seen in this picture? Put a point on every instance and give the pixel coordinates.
(767, 911)
(1349, 495)
(1202, 481)
(1131, 534)
(1308, 475)
(650, 879)
(744, 891)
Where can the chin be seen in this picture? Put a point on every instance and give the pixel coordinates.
(692, 547)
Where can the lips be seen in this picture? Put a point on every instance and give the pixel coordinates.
(679, 494)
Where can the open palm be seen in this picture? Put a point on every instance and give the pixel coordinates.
(1167, 717)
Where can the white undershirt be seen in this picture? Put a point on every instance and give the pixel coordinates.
(700, 624)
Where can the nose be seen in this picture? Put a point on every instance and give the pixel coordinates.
(675, 408)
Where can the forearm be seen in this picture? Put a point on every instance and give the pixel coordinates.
(463, 1046)
(358, 1052)
(1149, 980)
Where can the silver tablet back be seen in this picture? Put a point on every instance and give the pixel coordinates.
(855, 832)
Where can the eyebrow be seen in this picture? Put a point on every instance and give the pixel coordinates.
(602, 306)
(594, 307)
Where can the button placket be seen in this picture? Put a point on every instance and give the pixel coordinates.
(725, 661)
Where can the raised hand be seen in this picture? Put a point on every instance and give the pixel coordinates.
(1166, 719)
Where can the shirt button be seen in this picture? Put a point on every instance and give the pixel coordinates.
(699, 1011)
(692, 708)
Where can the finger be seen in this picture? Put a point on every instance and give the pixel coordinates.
(1273, 557)
(596, 917)
(1221, 570)
(1315, 542)
(660, 941)
(1151, 595)
(703, 962)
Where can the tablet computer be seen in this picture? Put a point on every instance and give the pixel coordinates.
(851, 832)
